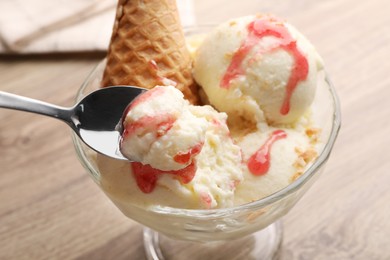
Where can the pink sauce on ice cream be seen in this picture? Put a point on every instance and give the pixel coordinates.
(259, 162)
(258, 29)
(144, 97)
(147, 176)
(160, 123)
(185, 157)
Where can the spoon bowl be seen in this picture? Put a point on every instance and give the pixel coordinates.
(96, 119)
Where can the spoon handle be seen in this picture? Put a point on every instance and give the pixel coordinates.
(12, 101)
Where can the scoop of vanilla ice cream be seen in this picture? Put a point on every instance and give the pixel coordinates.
(289, 156)
(258, 68)
(188, 157)
(159, 126)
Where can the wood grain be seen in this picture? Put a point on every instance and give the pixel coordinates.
(51, 209)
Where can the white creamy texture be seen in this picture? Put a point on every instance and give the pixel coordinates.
(219, 167)
(187, 131)
(259, 93)
(222, 178)
(283, 156)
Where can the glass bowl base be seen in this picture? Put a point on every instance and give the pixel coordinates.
(264, 244)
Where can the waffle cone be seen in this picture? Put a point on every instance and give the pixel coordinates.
(148, 48)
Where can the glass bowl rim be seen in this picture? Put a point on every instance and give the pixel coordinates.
(255, 205)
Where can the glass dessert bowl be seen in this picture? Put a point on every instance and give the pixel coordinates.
(250, 229)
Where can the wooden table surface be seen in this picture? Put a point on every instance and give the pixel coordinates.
(51, 209)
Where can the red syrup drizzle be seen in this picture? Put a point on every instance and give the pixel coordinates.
(260, 161)
(256, 31)
(185, 157)
(159, 124)
(142, 98)
(147, 176)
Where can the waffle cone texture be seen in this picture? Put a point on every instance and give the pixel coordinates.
(148, 48)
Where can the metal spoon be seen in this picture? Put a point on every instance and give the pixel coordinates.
(96, 119)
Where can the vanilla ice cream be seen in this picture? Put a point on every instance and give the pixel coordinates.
(274, 159)
(184, 155)
(262, 65)
(162, 130)
(259, 74)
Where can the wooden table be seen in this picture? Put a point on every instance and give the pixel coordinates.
(51, 209)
